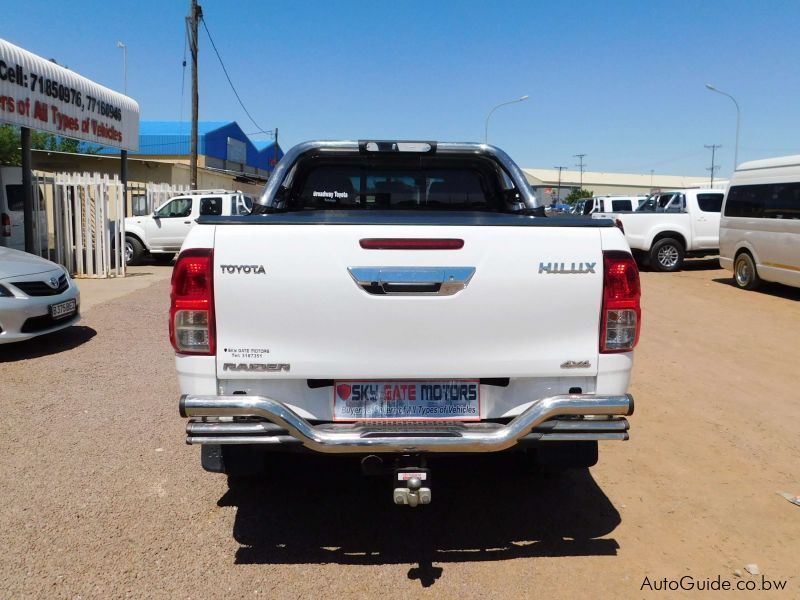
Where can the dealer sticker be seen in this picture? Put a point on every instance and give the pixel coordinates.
(453, 400)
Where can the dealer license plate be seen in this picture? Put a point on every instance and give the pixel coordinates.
(63, 309)
(448, 400)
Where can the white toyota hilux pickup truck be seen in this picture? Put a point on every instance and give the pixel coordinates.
(671, 226)
(394, 301)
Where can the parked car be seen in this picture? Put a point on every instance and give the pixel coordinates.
(12, 199)
(609, 204)
(672, 225)
(36, 296)
(161, 234)
(759, 234)
(394, 288)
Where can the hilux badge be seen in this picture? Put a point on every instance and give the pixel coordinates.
(580, 268)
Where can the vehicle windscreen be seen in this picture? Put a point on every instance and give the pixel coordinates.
(358, 186)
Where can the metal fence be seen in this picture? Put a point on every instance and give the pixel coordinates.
(89, 224)
(80, 219)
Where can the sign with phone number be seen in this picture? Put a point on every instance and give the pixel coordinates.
(42, 95)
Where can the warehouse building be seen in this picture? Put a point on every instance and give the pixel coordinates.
(545, 183)
(222, 146)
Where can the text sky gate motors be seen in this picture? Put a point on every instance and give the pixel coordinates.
(425, 399)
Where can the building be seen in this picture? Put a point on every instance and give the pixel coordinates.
(545, 182)
(222, 146)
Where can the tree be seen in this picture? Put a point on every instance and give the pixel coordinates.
(577, 194)
(11, 154)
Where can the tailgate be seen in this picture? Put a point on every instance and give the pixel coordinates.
(304, 316)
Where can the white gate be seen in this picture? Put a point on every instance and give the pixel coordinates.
(89, 224)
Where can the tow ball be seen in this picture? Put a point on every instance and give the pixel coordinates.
(412, 486)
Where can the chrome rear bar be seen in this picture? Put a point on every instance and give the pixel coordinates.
(538, 422)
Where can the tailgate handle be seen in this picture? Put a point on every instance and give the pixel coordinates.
(412, 281)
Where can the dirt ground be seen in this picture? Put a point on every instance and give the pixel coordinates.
(101, 498)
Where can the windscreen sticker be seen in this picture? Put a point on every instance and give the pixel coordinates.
(331, 196)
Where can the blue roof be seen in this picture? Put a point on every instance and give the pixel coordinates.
(171, 138)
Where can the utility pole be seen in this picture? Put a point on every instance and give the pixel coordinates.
(581, 165)
(713, 167)
(558, 193)
(195, 14)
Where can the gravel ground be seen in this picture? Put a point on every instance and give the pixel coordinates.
(101, 498)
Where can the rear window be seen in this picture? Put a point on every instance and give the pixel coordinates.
(211, 207)
(618, 205)
(710, 202)
(365, 187)
(15, 197)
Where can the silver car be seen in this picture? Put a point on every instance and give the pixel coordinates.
(36, 296)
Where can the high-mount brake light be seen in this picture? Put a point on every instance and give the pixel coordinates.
(412, 244)
(621, 316)
(393, 146)
(191, 313)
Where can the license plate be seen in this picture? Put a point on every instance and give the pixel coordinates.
(63, 309)
(421, 400)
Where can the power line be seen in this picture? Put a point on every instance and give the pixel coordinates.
(228, 77)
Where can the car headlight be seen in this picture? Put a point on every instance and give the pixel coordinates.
(5, 292)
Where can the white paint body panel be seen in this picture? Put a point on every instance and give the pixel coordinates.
(510, 322)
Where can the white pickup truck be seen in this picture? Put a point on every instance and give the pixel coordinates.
(161, 234)
(392, 301)
(671, 226)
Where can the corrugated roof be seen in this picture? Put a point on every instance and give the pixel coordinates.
(179, 127)
(590, 178)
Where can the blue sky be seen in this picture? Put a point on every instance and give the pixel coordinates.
(620, 81)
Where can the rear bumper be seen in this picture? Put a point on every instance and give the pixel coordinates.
(239, 419)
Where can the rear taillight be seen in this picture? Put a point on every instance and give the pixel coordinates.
(5, 225)
(618, 224)
(621, 317)
(191, 313)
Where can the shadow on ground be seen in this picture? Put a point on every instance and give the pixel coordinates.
(701, 264)
(322, 510)
(770, 289)
(46, 345)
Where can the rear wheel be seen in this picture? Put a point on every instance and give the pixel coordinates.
(134, 251)
(667, 255)
(744, 272)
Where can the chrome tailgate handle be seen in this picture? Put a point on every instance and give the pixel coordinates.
(412, 281)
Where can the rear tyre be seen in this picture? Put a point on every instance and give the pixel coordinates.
(745, 273)
(241, 462)
(667, 255)
(134, 251)
(163, 258)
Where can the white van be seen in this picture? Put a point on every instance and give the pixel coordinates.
(759, 232)
(12, 199)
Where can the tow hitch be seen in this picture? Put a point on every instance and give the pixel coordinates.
(412, 486)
